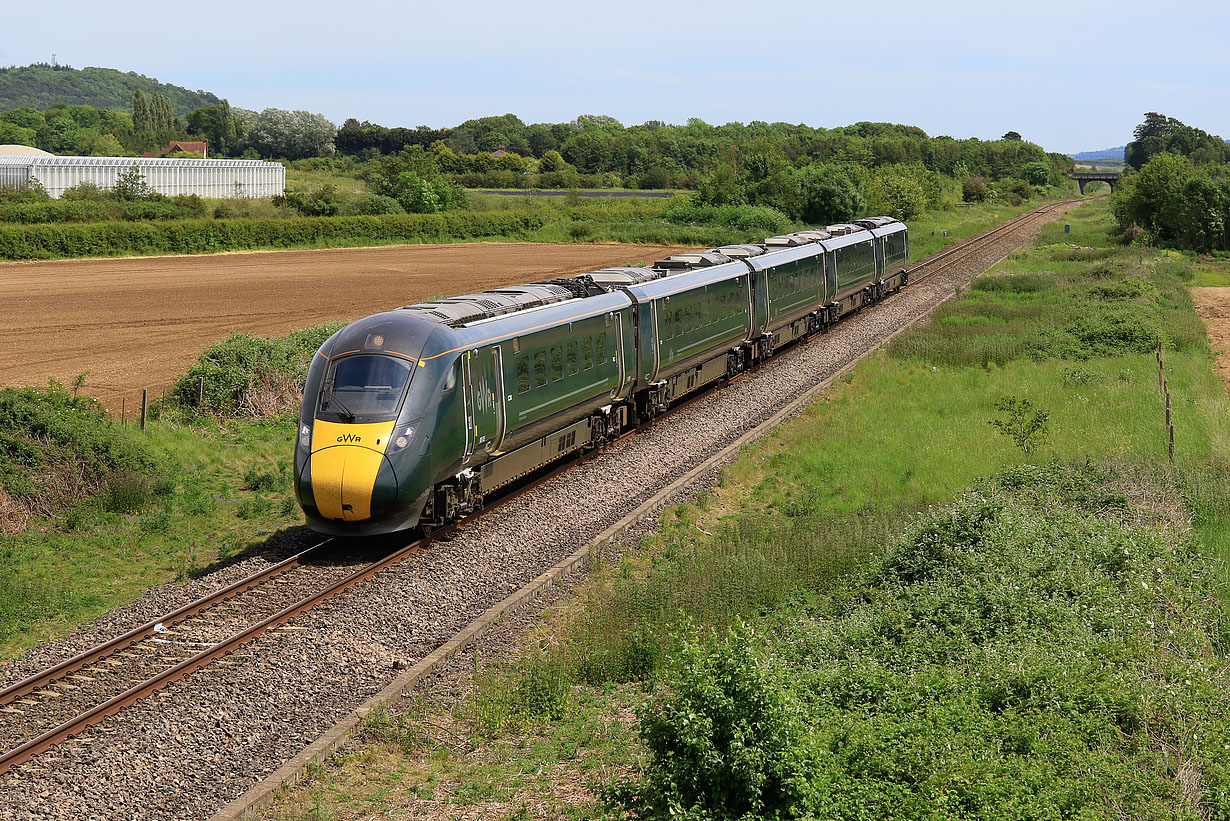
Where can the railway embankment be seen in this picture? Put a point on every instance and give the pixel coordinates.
(968, 576)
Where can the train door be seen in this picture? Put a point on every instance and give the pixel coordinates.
(486, 419)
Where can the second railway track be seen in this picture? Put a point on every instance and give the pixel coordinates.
(953, 264)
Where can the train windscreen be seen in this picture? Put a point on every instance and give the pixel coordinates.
(364, 388)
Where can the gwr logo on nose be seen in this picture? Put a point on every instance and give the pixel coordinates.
(350, 437)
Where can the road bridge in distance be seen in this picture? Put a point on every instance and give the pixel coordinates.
(1083, 178)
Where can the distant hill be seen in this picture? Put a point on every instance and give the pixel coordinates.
(41, 86)
(1104, 154)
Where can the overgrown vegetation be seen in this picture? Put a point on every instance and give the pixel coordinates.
(113, 511)
(56, 449)
(245, 375)
(1003, 659)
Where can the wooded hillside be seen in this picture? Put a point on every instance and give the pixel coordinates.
(40, 86)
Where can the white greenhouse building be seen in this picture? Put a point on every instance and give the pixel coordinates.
(206, 178)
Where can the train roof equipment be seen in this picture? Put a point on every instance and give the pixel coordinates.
(686, 262)
(785, 241)
(843, 228)
(812, 235)
(618, 276)
(457, 311)
(740, 251)
(877, 222)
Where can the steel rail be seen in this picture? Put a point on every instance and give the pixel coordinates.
(137, 634)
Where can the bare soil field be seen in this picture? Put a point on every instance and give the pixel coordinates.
(138, 322)
(1213, 305)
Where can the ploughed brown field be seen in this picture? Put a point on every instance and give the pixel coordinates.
(1213, 305)
(139, 322)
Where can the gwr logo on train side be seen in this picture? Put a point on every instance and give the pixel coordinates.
(350, 437)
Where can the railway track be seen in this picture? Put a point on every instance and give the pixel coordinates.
(60, 702)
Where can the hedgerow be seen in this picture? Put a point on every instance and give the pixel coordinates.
(210, 236)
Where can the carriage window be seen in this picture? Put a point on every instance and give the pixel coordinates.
(523, 373)
(557, 363)
(587, 353)
(600, 347)
(574, 364)
(540, 369)
(679, 321)
(668, 327)
(450, 380)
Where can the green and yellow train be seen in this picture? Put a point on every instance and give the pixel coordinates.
(410, 417)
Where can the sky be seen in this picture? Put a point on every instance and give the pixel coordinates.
(1070, 76)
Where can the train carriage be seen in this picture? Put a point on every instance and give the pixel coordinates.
(690, 323)
(792, 292)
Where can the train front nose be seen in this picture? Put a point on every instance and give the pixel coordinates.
(351, 479)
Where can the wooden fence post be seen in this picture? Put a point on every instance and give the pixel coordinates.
(144, 399)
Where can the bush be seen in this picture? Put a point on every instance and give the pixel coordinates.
(57, 449)
(975, 189)
(740, 217)
(829, 195)
(896, 194)
(368, 205)
(322, 202)
(730, 741)
(250, 375)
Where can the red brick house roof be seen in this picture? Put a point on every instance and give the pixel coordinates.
(201, 148)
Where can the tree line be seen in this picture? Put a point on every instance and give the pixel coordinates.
(815, 174)
(1176, 190)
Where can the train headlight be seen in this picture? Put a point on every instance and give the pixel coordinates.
(305, 437)
(401, 437)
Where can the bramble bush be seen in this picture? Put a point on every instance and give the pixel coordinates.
(730, 741)
(740, 217)
(250, 375)
(57, 448)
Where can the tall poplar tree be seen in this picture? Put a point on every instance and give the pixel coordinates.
(140, 113)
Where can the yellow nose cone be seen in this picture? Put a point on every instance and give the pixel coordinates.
(346, 460)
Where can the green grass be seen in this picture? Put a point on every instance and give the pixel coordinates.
(298, 180)
(927, 231)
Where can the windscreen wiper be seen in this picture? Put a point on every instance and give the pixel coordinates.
(330, 398)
